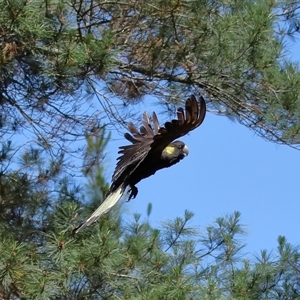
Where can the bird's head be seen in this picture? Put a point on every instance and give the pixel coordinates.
(174, 152)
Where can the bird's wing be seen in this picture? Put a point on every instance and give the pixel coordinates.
(187, 120)
(155, 138)
(132, 155)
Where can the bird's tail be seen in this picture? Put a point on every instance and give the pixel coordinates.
(105, 206)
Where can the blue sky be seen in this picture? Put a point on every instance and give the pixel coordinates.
(228, 169)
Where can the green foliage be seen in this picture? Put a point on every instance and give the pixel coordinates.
(54, 54)
(137, 261)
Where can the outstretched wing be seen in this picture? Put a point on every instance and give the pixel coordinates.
(132, 155)
(153, 138)
(187, 120)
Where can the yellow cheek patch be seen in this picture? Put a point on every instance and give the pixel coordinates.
(169, 150)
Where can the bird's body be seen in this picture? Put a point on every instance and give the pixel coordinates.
(152, 149)
(152, 162)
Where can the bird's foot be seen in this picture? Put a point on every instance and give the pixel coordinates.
(132, 192)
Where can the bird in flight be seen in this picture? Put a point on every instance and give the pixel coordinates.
(152, 148)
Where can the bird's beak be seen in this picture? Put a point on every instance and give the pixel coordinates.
(185, 151)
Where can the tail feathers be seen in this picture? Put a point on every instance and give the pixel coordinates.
(105, 206)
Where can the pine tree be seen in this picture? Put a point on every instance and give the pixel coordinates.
(59, 57)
